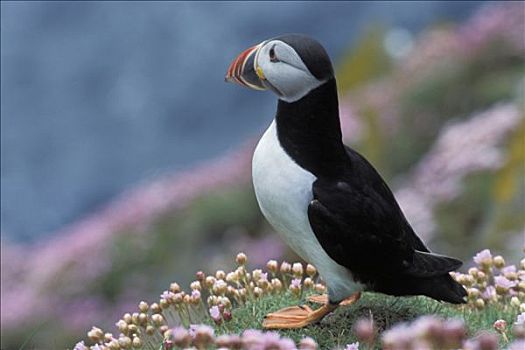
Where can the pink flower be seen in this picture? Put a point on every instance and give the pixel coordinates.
(166, 295)
(200, 328)
(483, 257)
(215, 313)
(489, 293)
(504, 282)
(264, 276)
(353, 346)
(195, 294)
(307, 344)
(181, 337)
(508, 269)
(517, 345)
(80, 346)
(296, 283)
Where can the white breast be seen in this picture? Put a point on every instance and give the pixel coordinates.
(284, 191)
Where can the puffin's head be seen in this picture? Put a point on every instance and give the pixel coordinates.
(290, 65)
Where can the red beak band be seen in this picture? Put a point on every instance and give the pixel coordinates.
(242, 70)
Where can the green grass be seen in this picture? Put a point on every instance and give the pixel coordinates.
(336, 329)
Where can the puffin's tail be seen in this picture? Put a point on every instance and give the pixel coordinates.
(443, 288)
(431, 277)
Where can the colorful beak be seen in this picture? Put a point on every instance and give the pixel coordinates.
(244, 72)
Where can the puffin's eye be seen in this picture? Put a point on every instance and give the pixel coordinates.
(273, 56)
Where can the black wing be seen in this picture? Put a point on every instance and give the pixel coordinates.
(360, 225)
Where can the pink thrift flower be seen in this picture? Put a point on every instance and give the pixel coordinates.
(504, 282)
(80, 346)
(353, 346)
(201, 328)
(264, 276)
(483, 257)
(296, 283)
(517, 345)
(508, 269)
(307, 344)
(195, 294)
(166, 295)
(489, 293)
(215, 313)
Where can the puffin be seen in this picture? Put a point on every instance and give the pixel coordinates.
(324, 199)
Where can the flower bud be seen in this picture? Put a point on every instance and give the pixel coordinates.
(174, 287)
(277, 284)
(125, 342)
(241, 259)
(307, 344)
(163, 329)
(308, 283)
(364, 330)
(113, 345)
(297, 270)
(136, 342)
(487, 341)
(500, 326)
(127, 318)
(320, 288)
(196, 285)
(181, 337)
(212, 300)
(178, 298)
(143, 318)
(143, 306)
(155, 308)
(285, 267)
(232, 277)
(499, 262)
(257, 292)
(150, 330)
(256, 274)
(311, 270)
(515, 302)
(200, 276)
(122, 326)
(135, 318)
(163, 304)
(132, 329)
(203, 337)
(480, 303)
(481, 276)
(272, 266)
(95, 334)
(227, 315)
(473, 271)
(220, 274)
(219, 287)
(157, 319)
(473, 293)
(210, 281)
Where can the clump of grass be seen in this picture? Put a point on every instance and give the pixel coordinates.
(225, 310)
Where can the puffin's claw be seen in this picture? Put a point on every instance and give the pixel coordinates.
(323, 299)
(296, 316)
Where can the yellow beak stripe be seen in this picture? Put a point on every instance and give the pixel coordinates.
(260, 73)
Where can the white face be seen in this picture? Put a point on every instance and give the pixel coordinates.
(284, 71)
